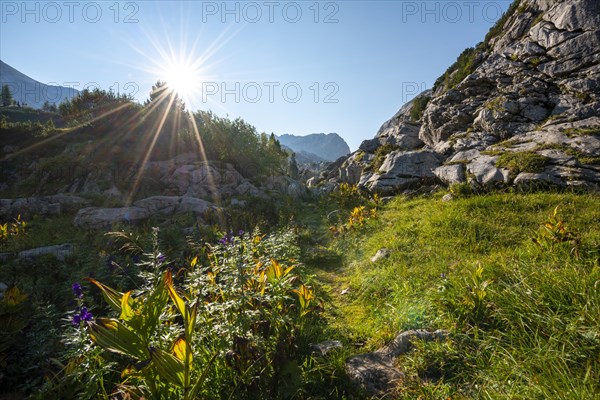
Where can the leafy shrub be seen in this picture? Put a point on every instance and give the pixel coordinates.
(498, 27)
(418, 106)
(12, 229)
(462, 67)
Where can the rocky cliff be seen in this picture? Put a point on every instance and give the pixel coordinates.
(522, 108)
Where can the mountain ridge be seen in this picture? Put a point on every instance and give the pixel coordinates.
(28, 91)
(328, 147)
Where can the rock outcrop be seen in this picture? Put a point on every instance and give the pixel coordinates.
(45, 205)
(105, 218)
(522, 108)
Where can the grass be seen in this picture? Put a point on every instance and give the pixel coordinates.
(380, 155)
(533, 334)
(522, 161)
(574, 132)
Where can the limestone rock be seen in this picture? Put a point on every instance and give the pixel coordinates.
(375, 372)
(59, 251)
(450, 174)
(42, 206)
(98, 218)
(323, 348)
(484, 171)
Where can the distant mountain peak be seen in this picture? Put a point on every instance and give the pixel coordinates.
(328, 146)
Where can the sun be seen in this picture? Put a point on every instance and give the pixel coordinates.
(183, 78)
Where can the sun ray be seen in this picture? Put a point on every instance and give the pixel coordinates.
(146, 157)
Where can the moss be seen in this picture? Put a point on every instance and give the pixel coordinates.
(523, 161)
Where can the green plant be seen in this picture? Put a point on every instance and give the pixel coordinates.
(467, 300)
(537, 20)
(498, 27)
(237, 301)
(554, 232)
(574, 132)
(461, 189)
(13, 319)
(12, 229)
(418, 107)
(496, 105)
(380, 156)
(535, 61)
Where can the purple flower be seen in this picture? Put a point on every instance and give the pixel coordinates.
(161, 258)
(227, 239)
(443, 275)
(84, 315)
(241, 232)
(77, 290)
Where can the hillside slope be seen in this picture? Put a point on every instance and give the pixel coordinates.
(522, 108)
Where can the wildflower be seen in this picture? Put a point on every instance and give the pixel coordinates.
(161, 258)
(83, 315)
(443, 275)
(77, 290)
(241, 232)
(227, 239)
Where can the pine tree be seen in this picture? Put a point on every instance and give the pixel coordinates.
(294, 173)
(7, 98)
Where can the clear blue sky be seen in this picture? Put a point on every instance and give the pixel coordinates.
(355, 62)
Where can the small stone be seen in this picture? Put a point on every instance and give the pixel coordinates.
(448, 197)
(323, 348)
(381, 254)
